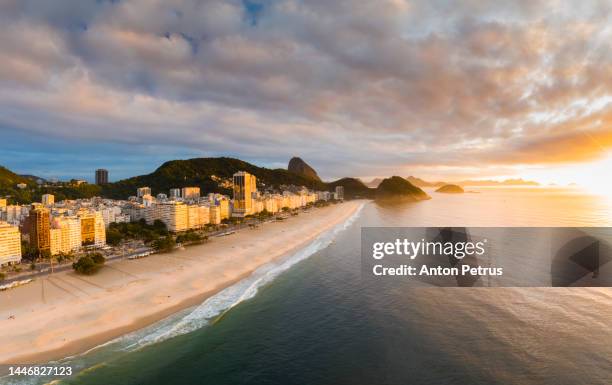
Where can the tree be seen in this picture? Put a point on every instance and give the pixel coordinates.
(85, 265)
(98, 258)
(2, 276)
(44, 254)
(189, 236)
(89, 263)
(28, 251)
(164, 244)
(113, 236)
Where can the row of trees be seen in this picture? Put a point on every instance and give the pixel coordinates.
(118, 232)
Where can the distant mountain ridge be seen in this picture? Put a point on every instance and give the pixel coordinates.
(423, 183)
(374, 182)
(473, 182)
(9, 179)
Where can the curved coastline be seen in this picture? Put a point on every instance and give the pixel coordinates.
(85, 312)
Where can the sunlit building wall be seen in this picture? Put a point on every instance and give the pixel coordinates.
(55, 236)
(190, 193)
(93, 230)
(215, 215)
(10, 244)
(198, 216)
(70, 229)
(39, 226)
(175, 215)
(48, 199)
(245, 185)
(142, 191)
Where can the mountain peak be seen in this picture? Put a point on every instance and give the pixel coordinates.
(298, 166)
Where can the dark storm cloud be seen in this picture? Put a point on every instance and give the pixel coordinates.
(361, 88)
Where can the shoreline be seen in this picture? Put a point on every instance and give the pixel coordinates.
(153, 288)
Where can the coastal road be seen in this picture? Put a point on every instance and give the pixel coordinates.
(56, 269)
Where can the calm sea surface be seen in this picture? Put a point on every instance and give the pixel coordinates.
(314, 320)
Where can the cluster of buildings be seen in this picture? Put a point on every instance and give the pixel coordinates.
(70, 225)
(64, 227)
(185, 209)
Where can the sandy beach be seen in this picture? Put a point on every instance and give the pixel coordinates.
(65, 313)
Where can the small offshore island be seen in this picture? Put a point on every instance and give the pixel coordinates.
(450, 189)
(398, 188)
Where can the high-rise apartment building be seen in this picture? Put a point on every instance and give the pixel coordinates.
(175, 193)
(190, 193)
(339, 194)
(174, 214)
(93, 230)
(198, 216)
(245, 185)
(88, 230)
(10, 244)
(147, 200)
(48, 199)
(55, 241)
(39, 229)
(69, 239)
(142, 191)
(101, 176)
(224, 208)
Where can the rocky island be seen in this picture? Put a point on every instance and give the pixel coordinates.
(450, 189)
(399, 188)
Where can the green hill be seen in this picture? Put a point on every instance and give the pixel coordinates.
(399, 188)
(33, 192)
(9, 179)
(353, 188)
(8, 186)
(207, 173)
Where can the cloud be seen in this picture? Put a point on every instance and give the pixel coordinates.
(354, 87)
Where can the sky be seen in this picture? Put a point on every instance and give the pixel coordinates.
(438, 89)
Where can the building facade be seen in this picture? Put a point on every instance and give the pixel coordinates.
(175, 193)
(48, 199)
(93, 230)
(101, 176)
(339, 194)
(142, 191)
(69, 239)
(245, 185)
(39, 229)
(10, 244)
(190, 193)
(174, 214)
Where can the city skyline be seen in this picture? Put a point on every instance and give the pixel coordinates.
(463, 92)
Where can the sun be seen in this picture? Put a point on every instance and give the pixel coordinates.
(596, 177)
(593, 177)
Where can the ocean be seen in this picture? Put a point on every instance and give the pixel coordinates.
(313, 319)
